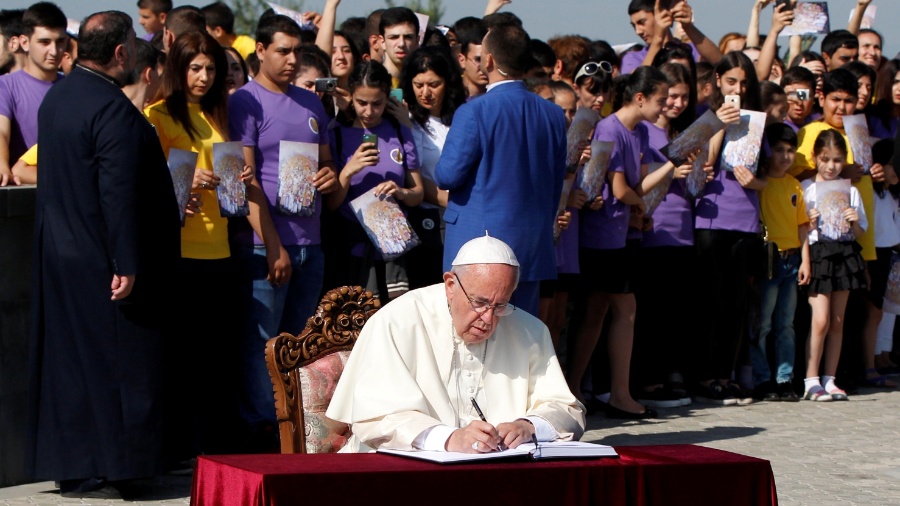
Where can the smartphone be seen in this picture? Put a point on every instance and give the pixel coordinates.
(397, 93)
(786, 3)
(370, 138)
(733, 99)
(326, 84)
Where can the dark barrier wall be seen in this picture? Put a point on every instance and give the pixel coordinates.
(16, 233)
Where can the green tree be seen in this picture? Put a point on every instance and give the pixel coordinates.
(434, 9)
(247, 12)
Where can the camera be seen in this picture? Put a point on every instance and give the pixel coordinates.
(803, 95)
(370, 138)
(788, 5)
(326, 84)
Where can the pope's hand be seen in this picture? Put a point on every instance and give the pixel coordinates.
(477, 437)
(516, 432)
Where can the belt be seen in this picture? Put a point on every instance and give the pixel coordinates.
(788, 252)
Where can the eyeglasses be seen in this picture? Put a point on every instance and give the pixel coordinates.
(481, 307)
(476, 60)
(590, 68)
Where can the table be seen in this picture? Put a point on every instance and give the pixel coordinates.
(642, 475)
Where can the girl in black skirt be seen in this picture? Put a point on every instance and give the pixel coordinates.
(837, 219)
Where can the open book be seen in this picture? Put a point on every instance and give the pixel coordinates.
(548, 450)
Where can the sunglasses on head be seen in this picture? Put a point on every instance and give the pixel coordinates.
(590, 68)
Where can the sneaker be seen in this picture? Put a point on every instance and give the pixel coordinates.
(742, 398)
(675, 383)
(765, 391)
(786, 392)
(714, 394)
(818, 394)
(838, 395)
(659, 397)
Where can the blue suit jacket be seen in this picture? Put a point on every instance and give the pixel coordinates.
(504, 162)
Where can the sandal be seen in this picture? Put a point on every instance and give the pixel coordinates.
(873, 379)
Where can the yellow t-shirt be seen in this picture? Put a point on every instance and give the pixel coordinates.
(204, 235)
(804, 161)
(30, 156)
(783, 210)
(244, 45)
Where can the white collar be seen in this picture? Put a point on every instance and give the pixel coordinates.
(498, 83)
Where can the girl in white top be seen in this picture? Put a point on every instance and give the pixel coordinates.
(837, 267)
(432, 90)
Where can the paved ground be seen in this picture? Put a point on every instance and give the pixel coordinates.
(822, 454)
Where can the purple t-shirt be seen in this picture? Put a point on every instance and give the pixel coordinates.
(567, 247)
(261, 118)
(879, 130)
(726, 205)
(388, 168)
(390, 159)
(607, 228)
(21, 95)
(633, 59)
(673, 219)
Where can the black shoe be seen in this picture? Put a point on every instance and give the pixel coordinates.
(742, 398)
(613, 412)
(90, 488)
(181, 468)
(660, 397)
(714, 394)
(765, 391)
(786, 392)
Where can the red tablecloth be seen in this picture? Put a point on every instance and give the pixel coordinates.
(642, 475)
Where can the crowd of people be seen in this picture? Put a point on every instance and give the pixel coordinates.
(717, 292)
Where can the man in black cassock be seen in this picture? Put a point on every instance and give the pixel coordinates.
(107, 236)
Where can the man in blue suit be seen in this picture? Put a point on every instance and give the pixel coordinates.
(503, 164)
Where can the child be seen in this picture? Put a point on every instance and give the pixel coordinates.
(887, 240)
(840, 91)
(662, 337)
(555, 293)
(152, 15)
(726, 232)
(837, 268)
(606, 256)
(783, 213)
(800, 87)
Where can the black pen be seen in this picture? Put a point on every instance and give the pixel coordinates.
(483, 419)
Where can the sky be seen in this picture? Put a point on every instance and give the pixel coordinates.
(596, 19)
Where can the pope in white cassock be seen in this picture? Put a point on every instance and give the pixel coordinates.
(420, 360)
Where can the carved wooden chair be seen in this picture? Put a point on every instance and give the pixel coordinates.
(306, 368)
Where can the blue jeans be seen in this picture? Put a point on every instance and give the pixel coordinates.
(274, 310)
(779, 300)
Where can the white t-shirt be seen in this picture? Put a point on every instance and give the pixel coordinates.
(887, 226)
(809, 196)
(430, 144)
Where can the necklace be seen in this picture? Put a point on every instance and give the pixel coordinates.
(456, 368)
(101, 75)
